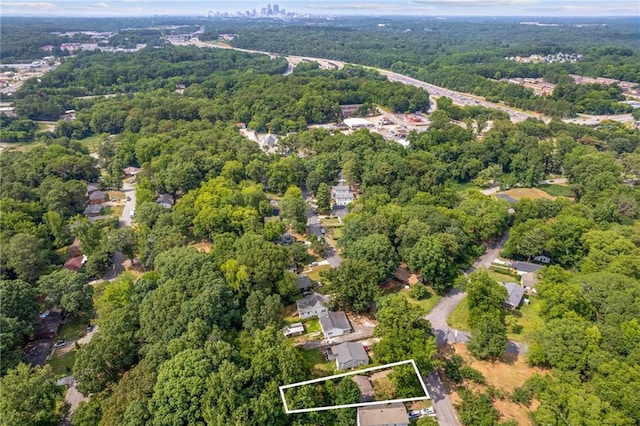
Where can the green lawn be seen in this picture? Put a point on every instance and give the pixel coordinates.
(426, 304)
(314, 275)
(62, 365)
(92, 142)
(115, 211)
(502, 277)
(312, 325)
(465, 187)
(557, 190)
(74, 329)
(332, 222)
(459, 318)
(528, 317)
(321, 367)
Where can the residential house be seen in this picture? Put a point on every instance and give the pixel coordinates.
(93, 210)
(165, 200)
(74, 248)
(304, 284)
(48, 325)
(390, 414)
(367, 393)
(92, 187)
(74, 264)
(334, 324)
(404, 275)
(97, 197)
(515, 292)
(180, 88)
(348, 355)
(37, 351)
(268, 143)
(131, 171)
(294, 329)
(525, 267)
(342, 195)
(312, 305)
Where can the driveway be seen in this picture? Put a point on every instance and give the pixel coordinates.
(441, 402)
(315, 229)
(125, 220)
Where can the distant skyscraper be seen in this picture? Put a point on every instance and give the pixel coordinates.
(276, 9)
(269, 10)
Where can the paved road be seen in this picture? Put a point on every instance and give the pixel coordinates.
(446, 415)
(315, 228)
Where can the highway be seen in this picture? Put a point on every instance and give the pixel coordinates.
(458, 98)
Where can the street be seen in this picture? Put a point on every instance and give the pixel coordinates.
(126, 219)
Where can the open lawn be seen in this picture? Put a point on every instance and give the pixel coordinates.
(533, 193)
(114, 211)
(503, 278)
(528, 318)
(426, 304)
(319, 364)
(332, 222)
(314, 274)
(92, 142)
(62, 365)
(74, 329)
(116, 195)
(465, 187)
(558, 190)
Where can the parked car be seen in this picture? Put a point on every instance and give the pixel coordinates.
(60, 344)
(89, 328)
(415, 414)
(128, 198)
(319, 283)
(313, 264)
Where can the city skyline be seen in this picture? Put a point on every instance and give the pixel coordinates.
(533, 8)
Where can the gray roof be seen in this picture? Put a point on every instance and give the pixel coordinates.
(312, 300)
(165, 199)
(514, 294)
(394, 413)
(350, 351)
(526, 266)
(97, 195)
(93, 209)
(330, 320)
(341, 188)
(364, 384)
(303, 282)
(92, 187)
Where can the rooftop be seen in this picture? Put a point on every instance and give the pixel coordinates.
(348, 351)
(384, 414)
(303, 282)
(514, 294)
(330, 320)
(311, 301)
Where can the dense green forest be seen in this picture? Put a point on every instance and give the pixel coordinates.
(467, 55)
(195, 338)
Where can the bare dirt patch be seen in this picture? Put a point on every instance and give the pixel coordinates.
(203, 247)
(533, 193)
(504, 376)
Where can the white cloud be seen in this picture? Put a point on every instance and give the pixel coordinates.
(29, 5)
(101, 5)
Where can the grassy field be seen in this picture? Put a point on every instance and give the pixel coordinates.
(116, 195)
(557, 191)
(332, 222)
(321, 367)
(502, 277)
(115, 211)
(465, 187)
(74, 329)
(312, 325)
(92, 142)
(528, 317)
(62, 365)
(314, 274)
(426, 304)
(533, 193)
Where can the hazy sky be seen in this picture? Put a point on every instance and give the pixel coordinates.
(552, 8)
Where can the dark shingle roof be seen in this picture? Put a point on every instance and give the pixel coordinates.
(330, 320)
(303, 282)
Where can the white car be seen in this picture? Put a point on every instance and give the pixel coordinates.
(416, 414)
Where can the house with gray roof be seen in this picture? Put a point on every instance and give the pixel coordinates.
(165, 200)
(342, 195)
(348, 355)
(367, 394)
(304, 283)
(515, 292)
(390, 414)
(334, 324)
(312, 305)
(97, 197)
(93, 210)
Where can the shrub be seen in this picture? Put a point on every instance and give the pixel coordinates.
(470, 373)
(522, 395)
(452, 368)
(419, 292)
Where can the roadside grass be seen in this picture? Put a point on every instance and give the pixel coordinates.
(459, 318)
(62, 365)
(502, 277)
(557, 190)
(528, 318)
(465, 187)
(321, 367)
(75, 329)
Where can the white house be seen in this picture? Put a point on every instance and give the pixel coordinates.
(342, 195)
(312, 305)
(334, 324)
